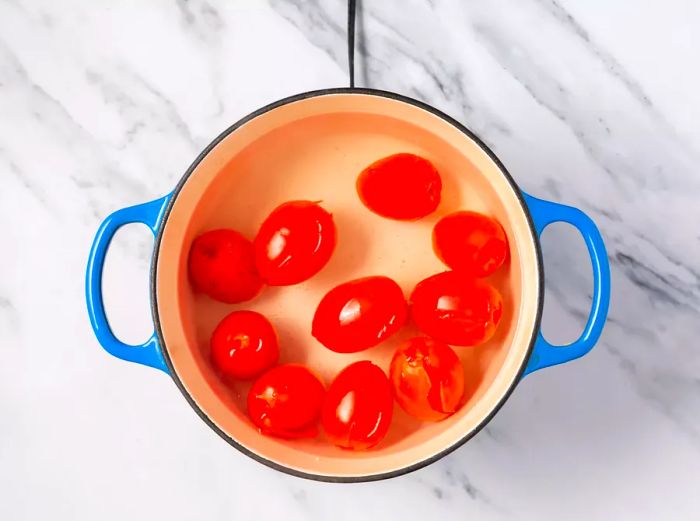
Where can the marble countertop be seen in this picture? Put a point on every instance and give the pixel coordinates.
(595, 104)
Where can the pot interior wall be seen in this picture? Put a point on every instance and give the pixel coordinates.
(313, 149)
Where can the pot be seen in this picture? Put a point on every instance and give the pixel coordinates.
(312, 146)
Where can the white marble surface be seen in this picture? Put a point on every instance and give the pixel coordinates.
(104, 104)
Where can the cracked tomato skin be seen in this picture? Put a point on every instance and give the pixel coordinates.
(427, 378)
(243, 345)
(402, 186)
(221, 264)
(470, 242)
(358, 408)
(294, 243)
(359, 314)
(456, 308)
(286, 402)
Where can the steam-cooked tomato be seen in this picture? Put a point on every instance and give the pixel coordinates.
(358, 408)
(294, 243)
(286, 401)
(470, 242)
(456, 308)
(359, 314)
(428, 378)
(402, 186)
(243, 345)
(222, 265)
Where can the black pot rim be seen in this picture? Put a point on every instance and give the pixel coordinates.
(154, 301)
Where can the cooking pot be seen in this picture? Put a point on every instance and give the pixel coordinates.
(312, 146)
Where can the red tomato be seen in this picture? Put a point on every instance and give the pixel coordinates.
(286, 401)
(359, 314)
(243, 345)
(470, 242)
(222, 265)
(403, 186)
(294, 243)
(456, 308)
(428, 378)
(358, 407)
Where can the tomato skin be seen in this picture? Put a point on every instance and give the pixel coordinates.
(243, 345)
(456, 308)
(427, 378)
(358, 408)
(402, 186)
(286, 402)
(221, 264)
(294, 242)
(359, 314)
(470, 242)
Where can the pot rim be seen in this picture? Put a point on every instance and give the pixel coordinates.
(368, 92)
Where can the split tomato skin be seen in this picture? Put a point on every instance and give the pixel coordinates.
(243, 345)
(221, 264)
(294, 243)
(402, 186)
(470, 242)
(427, 378)
(358, 408)
(456, 308)
(286, 402)
(359, 314)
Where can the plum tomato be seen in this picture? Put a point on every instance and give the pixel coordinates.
(358, 407)
(243, 345)
(402, 186)
(286, 401)
(470, 242)
(428, 378)
(456, 308)
(359, 314)
(294, 243)
(222, 265)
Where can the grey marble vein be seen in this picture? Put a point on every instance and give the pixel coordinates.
(613, 65)
(587, 103)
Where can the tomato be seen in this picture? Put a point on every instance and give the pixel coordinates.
(286, 401)
(358, 408)
(470, 242)
(294, 243)
(222, 265)
(402, 186)
(456, 308)
(428, 378)
(359, 314)
(243, 345)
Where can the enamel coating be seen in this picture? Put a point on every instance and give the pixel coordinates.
(543, 214)
(149, 353)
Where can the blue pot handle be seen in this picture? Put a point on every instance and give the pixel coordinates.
(148, 353)
(544, 213)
